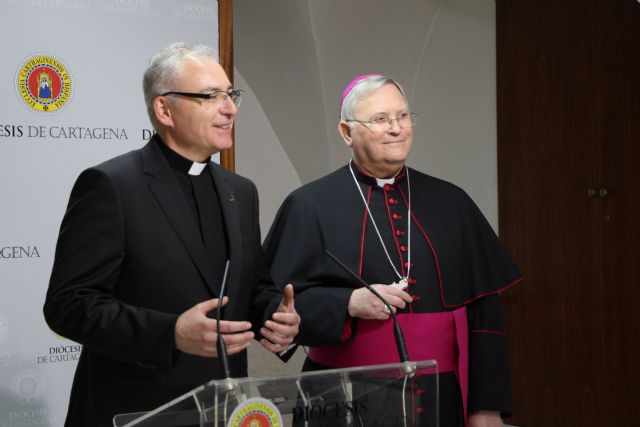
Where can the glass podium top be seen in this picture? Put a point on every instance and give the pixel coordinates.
(383, 395)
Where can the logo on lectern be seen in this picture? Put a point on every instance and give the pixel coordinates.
(255, 412)
(44, 83)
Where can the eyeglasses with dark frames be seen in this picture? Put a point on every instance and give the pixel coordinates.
(217, 95)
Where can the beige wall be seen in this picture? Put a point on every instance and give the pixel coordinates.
(294, 57)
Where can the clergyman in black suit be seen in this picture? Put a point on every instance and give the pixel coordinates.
(142, 250)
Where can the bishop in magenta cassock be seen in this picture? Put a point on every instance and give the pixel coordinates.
(394, 225)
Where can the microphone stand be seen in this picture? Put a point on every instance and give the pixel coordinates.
(228, 385)
(221, 346)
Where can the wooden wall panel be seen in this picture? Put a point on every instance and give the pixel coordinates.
(225, 46)
(567, 94)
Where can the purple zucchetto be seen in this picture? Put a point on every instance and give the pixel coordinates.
(352, 83)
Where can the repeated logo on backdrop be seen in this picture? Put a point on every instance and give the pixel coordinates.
(45, 86)
(44, 83)
(28, 386)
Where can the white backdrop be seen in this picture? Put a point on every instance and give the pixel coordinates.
(98, 49)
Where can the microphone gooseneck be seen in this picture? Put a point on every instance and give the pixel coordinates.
(399, 337)
(222, 348)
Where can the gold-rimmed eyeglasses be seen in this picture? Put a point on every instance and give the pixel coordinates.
(384, 123)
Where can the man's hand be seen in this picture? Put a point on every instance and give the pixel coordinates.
(197, 334)
(365, 305)
(485, 419)
(279, 332)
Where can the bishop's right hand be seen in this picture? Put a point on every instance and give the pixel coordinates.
(365, 305)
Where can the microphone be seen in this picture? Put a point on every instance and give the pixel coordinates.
(399, 337)
(222, 348)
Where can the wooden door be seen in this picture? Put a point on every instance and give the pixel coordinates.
(568, 211)
(620, 316)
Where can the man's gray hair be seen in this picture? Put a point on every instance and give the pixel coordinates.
(165, 68)
(363, 89)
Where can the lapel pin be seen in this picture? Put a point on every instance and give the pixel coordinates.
(232, 198)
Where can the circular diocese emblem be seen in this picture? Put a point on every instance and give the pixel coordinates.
(255, 412)
(4, 328)
(28, 386)
(44, 83)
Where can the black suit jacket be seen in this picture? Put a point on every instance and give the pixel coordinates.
(129, 260)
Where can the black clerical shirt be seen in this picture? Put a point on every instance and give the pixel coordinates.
(204, 205)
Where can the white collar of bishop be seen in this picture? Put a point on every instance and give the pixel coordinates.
(383, 181)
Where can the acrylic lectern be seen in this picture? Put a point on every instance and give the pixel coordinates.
(403, 394)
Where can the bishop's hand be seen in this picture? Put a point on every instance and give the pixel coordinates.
(365, 305)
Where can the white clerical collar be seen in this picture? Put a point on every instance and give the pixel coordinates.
(196, 168)
(383, 181)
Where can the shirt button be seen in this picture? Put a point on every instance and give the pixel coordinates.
(416, 297)
(400, 233)
(388, 187)
(411, 281)
(403, 248)
(392, 201)
(396, 216)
